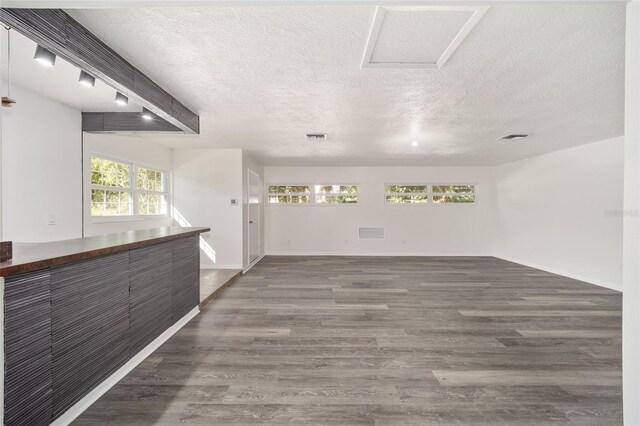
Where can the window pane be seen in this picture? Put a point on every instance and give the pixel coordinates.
(336, 189)
(110, 203)
(288, 199)
(453, 189)
(289, 189)
(149, 180)
(109, 173)
(407, 199)
(402, 189)
(454, 198)
(152, 204)
(339, 199)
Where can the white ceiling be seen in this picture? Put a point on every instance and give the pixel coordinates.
(260, 77)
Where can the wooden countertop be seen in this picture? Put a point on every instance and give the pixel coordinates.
(32, 256)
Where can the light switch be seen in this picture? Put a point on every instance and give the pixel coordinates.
(52, 219)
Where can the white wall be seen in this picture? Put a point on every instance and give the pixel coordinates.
(562, 212)
(631, 295)
(129, 149)
(250, 163)
(454, 229)
(205, 181)
(41, 169)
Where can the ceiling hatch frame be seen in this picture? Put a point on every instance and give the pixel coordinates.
(478, 13)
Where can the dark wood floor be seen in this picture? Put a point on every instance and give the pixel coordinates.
(385, 341)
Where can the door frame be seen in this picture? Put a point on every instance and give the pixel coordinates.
(249, 262)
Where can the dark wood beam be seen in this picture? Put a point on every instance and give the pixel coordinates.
(58, 32)
(99, 122)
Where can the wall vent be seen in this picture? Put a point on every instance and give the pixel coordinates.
(316, 137)
(514, 136)
(371, 233)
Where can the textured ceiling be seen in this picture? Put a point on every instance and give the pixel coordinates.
(262, 76)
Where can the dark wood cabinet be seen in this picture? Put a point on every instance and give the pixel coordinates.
(69, 327)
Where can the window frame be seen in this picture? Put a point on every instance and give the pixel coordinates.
(288, 194)
(430, 193)
(474, 193)
(312, 194)
(335, 194)
(132, 190)
(386, 194)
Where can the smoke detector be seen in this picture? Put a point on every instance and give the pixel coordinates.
(514, 136)
(318, 137)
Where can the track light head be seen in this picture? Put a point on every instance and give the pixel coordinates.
(121, 99)
(146, 114)
(87, 79)
(45, 57)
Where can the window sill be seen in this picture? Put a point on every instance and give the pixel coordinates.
(114, 219)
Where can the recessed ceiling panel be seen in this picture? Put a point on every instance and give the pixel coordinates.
(418, 37)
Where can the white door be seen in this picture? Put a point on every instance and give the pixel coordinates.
(254, 216)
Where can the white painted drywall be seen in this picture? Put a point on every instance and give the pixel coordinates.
(631, 279)
(130, 149)
(562, 212)
(205, 182)
(434, 229)
(250, 163)
(41, 169)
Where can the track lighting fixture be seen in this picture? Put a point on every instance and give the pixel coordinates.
(146, 114)
(121, 99)
(87, 79)
(45, 57)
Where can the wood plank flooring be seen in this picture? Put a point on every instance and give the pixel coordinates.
(214, 281)
(385, 341)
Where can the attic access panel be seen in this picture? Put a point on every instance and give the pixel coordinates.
(418, 36)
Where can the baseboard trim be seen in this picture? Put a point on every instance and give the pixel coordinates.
(72, 413)
(234, 266)
(588, 280)
(384, 254)
(252, 264)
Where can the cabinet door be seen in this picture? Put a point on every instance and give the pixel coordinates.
(150, 294)
(90, 325)
(27, 348)
(185, 276)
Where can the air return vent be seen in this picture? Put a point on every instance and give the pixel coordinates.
(318, 137)
(371, 233)
(514, 136)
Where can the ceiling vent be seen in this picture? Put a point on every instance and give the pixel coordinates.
(514, 136)
(318, 137)
(371, 233)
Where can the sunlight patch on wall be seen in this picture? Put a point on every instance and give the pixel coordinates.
(204, 246)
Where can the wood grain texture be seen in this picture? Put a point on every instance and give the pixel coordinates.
(98, 122)
(58, 32)
(69, 327)
(31, 257)
(376, 341)
(185, 270)
(27, 349)
(90, 325)
(213, 282)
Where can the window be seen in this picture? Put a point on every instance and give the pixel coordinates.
(152, 196)
(113, 194)
(289, 194)
(110, 188)
(321, 194)
(336, 194)
(407, 194)
(454, 193)
(422, 194)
